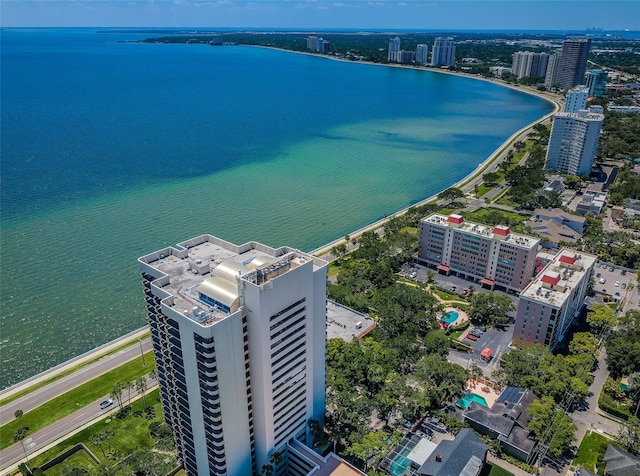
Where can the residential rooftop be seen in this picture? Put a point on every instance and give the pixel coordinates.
(499, 232)
(200, 278)
(554, 283)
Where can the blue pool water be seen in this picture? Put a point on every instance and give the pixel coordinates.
(450, 317)
(465, 401)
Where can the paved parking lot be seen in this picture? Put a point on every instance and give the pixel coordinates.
(497, 339)
(613, 274)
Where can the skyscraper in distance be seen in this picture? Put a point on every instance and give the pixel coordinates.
(443, 52)
(529, 64)
(552, 66)
(572, 63)
(394, 49)
(422, 54)
(238, 336)
(597, 82)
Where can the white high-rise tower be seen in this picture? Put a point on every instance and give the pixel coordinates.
(443, 52)
(239, 341)
(394, 49)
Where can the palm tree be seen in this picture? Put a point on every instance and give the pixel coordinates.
(116, 394)
(141, 387)
(97, 439)
(19, 436)
(108, 433)
(475, 372)
(129, 386)
(18, 414)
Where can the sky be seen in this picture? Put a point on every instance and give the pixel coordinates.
(322, 14)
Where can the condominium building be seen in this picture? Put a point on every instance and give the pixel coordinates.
(394, 49)
(597, 82)
(574, 141)
(318, 45)
(443, 52)
(490, 255)
(405, 57)
(576, 99)
(422, 54)
(554, 300)
(527, 64)
(572, 63)
(238, 336)
(552, 66)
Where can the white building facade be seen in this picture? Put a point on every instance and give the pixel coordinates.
(529, 64)
(394, 49)
(576, 99)
(554, 300)
(422, 54)
(573, 142)
(239, 341)
(443, 52)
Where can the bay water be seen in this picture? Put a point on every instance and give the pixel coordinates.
(111, 149)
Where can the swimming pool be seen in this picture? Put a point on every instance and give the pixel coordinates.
(465, 401)
(450, 317)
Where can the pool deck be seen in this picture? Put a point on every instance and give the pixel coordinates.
(462, 316)
(483, 391)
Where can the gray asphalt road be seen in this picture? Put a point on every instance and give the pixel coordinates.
(60, 386)
(61, 428)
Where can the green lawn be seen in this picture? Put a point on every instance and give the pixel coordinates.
(130, 434)
(483, 188)
(490, 215)
(446, 296)
(69, 402)
(79, 459)
(492, 469)
(498, 471)
(591, 452)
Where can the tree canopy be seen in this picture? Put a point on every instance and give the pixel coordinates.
(601, 315)
(490, 308)
(551, 425)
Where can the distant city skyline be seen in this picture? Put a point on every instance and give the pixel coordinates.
(320, 14)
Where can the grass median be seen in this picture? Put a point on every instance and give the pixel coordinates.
(76, 398)
(59, 375)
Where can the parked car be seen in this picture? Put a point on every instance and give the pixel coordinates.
(106, 403)
(598, 275)
(624, 286)
(472, 337)
(616, 284)
(612, 269)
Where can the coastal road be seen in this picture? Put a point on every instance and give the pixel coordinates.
(64, 384)
(40, 440)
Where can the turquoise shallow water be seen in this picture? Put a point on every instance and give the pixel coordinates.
(112, 150)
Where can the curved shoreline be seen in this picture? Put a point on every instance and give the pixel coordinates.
(465, 182)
